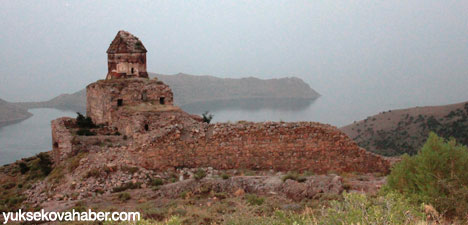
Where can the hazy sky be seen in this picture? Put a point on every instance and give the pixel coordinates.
(395, 53)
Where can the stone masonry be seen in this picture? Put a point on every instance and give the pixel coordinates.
(126, 57)
(138, 114)
(106, 97)
(301, 146)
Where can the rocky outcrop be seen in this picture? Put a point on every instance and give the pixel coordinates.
(312, 187)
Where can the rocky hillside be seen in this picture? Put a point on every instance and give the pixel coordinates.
(396, 132)
(10, 113)
(190, 89)
(197, 195)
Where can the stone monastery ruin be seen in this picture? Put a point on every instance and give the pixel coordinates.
(138, 114)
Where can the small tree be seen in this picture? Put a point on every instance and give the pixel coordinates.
(84, 122)
(45, 163)
(207, 117)
(23, 167)
(437, 175)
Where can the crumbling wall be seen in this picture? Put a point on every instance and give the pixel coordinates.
(62, 138)
(303, 146)
(105, 97)
(176, 139)
(66, 144)
(152, 124)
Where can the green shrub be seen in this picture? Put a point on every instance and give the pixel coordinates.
(45, 163)
(57, 174)
(199, 174)
(124, 196)
(156, 182)
(294, 176)
(225, 176)
(8, 186)
(253, 199)
(130, 169)
(23, 167)
(356, 208)
(95, 172)
(74, 162)
(127, 186)
(84, 122)
(437, 175)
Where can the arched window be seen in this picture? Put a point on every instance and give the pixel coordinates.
(132, 70)
(146, 127)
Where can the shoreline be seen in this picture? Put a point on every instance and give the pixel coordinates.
(10, 122)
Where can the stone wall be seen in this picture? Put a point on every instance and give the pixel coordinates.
(66, 144)
(152, 124)
(302, 146)
(106, 97)
(62, 138)
(175, 139)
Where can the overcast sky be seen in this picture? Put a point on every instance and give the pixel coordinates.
(412, 52)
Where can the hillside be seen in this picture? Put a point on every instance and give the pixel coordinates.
(191, 89)
(10, 113)
(396, 132)
(75, 102)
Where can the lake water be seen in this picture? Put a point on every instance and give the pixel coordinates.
(29, 136)
(33, 135)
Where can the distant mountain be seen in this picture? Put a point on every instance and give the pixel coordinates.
(191, 89)
(10, 113)
(396, 132)
(75, 102)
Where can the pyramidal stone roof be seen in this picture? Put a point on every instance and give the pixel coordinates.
(125, 42)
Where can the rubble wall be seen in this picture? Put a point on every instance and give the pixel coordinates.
(302, 146)
(66, 144)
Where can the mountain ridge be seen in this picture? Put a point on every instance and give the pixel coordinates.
(193, 89)
(400, 131)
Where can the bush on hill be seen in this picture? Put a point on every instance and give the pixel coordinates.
(84, 121)
(437, 175)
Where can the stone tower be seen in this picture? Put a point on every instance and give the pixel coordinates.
(127, 88)
(126, 57)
